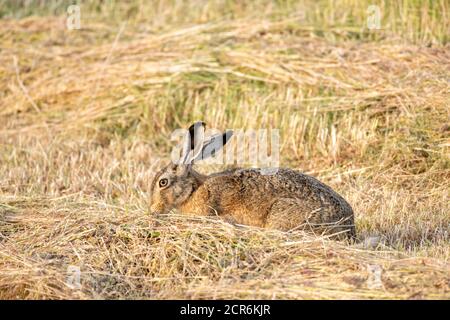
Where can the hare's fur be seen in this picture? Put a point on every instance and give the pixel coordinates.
(285, 200)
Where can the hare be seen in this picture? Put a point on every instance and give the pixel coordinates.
(286, 200)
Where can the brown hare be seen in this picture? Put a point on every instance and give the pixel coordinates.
(286, 200)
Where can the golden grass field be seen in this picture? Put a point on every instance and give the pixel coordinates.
(86, 117)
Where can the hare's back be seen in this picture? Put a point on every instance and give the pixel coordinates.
(255, 185)
(283, 181)
(282, 200)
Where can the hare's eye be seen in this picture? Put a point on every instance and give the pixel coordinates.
(163, 183)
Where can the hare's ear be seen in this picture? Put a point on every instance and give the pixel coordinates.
(179, 170)
(214, 144)
(194, 142)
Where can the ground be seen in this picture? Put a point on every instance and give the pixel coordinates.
(86, 117)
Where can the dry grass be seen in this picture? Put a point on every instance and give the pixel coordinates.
(86, 114)
(125, 254)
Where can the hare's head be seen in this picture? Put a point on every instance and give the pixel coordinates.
(174, 184)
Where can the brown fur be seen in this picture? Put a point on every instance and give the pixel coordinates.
(287, 200)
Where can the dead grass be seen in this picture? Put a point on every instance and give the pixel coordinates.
(86, 116)
(123, 253)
